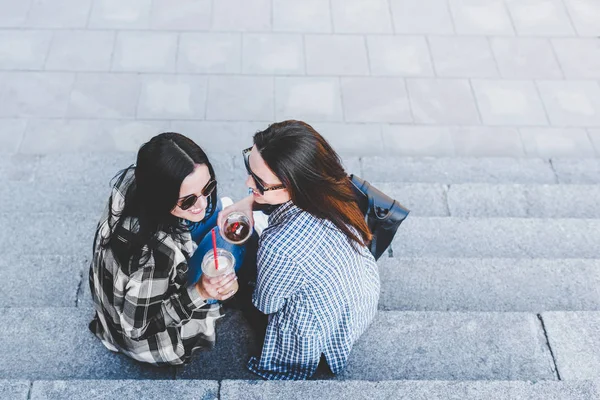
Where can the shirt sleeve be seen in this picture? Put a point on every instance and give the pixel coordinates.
(278, 279)
(148, 310)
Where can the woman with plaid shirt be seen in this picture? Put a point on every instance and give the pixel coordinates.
(317, 281)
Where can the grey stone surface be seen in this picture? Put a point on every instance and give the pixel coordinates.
(81, 51)
(145, 52)
(413, 390)
(35, 94)
(575, 339)
(41, 281)
(407, 140)
(458, 57)
(489, 284)
(18, 167)
(11, 135)
(427, 16)
(13, 13)
(570, 170)
(352, 139)
(594, 135)
(557, 142)
(209, 52)
(584, 14)
(172, 96)
(24, 50)
(129, 135)
(478, 17)
(336, 55)
(421, 199)
(58, 13)
(14, 389)
(462, 170)
(579, 58)
(44, 136)
(242, 15)
(375, 100)
(525, 58)
(571, 103)
(220, 137)
(484, 141)
(399, 56)
(442, 101)
(124, 389)
(273, 54)
(308, 99)
(509, 103)
(312, 16)
(451, 346)
(55, 343)
(498, 237)
(187, 14)
(540, 17)
(227, 98)
(114, 14)
(359, 16)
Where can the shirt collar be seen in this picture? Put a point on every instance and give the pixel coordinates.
(282, 212)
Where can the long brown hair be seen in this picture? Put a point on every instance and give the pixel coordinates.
(312, 173)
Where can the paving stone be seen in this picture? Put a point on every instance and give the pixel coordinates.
(24, 50)
(571, 103)
(414, 390)
(114, 14)
(361, 16)
(81, 51)
(55, 343)
(416, 141)
(186, 15)
(447, 101)
(489, 17)
(128, 136)
(18, 167)
(58, 136)
(352, 139)
(484, 141)
(451, 346)
(35, 94)
(11, 135)
(242, 15)
(14, 389)
(59, 13)
(308, 99)
(308, 16)
(273, 54)
(570, 170)
(557, 142)
(579, 58)
(455, 56)
(214, 136)
(498, 237)
(104, 96)
(228, 98)
(574, 338)
(594, 135)
(172, 96)
(585, 15)
(352, 165)
(462, 170)
(124, 389)
(145, 52)
(420, 198)
(540, 17)
(375, 100)
(426, 16)
(399, 56)
(525, 58)
(492, 284)
(509, 102)
(13, 13)
(41, 281)
(210, 53)
(336, 55)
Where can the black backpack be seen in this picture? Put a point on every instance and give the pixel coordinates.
(382, 213)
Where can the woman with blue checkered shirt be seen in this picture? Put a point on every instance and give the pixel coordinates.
(317, 281)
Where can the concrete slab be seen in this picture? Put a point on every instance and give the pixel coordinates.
(18, 167)
(11, 135)
(17, 389)
(585, 171)
(81, 51)
(312, 16)
(421, 199)
(399, 56)
(207, 52)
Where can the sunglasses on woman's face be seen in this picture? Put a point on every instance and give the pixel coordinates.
(260, 186)
(186, 202)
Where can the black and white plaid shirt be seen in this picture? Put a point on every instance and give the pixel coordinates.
(147, 312)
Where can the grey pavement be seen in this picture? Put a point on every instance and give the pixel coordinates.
(481, 116)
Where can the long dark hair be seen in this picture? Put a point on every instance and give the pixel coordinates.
(313, 174)
(162, 165)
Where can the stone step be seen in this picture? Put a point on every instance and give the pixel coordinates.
(54, 343)
(303, 390)
(497, 238)
(471, 284)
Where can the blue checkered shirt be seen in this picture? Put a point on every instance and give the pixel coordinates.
(320, 293)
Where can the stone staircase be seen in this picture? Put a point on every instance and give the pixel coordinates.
(491, 289)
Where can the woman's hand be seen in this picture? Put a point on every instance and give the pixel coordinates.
(243, 206)
(218, 288)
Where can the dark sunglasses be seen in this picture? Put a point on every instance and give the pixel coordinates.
(260, 186)
(186, 202)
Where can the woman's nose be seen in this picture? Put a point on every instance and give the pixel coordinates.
(202, 202)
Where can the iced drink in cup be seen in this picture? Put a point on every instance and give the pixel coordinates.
(226, 263)
(236, 229)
